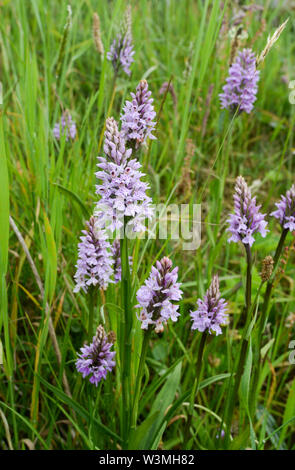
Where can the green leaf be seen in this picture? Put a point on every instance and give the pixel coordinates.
(186, 395)
(265, 348)
(245, 381)
(159, 408)
(289, 412)
(51, 268)
(75, 197)
(244, 390)
(148, 396)
(138, 435)
(4, 240)
(79, 409)
(211, 380)
(27, 423)
(270, 425)
(240, 442)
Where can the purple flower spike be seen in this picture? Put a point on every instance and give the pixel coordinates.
(241, 85)
(122, 193)
(246, 219)
(96, 359)
(211, 312)
(137, 118)
(66, 126)
(94, 265)
(121, 53)
(285, 212)
(156, 296)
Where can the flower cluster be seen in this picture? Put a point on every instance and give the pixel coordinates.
(211, 312)
(121, 53)
(246, 219)
(156, 295)
(66, 126)
(138, 114)
(122, 193)
(285, 212)
(96, 359)
(94, 265)
(241, 85)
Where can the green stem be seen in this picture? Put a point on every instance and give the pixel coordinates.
(195, 388)
(262, 323)
(91, 295)
(190, 370)
(249, 281)
(125, 339)
(234, 389)
(233, 394)
(144, 349)
(248, 290)
(270, 283)
(14, 421)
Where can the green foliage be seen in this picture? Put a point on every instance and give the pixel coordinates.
(48, 189)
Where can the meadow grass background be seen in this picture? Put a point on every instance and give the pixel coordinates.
(48, 189)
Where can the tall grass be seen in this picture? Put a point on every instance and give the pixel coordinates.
(48, 189)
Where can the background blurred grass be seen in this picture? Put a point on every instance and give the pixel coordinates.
(51, 191)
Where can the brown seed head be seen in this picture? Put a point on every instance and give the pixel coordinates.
(97, 34)
(267, 268)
